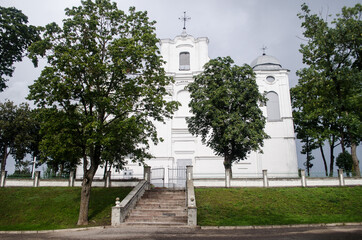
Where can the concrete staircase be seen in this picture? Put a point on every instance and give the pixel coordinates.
(160, 207)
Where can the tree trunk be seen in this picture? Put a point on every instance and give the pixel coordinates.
(356, 169)
(105, 170)
(3, 160)
(84, 199)
(331, 163)
(87, 184)
(342, 143)
(227, 164)
(324, 159)
(61, 169)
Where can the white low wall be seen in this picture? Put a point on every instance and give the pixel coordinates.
(65, 183)
(353, 181)
(210, 182)
(19, 182)
(287, 182)
(53, 183)
(276, 182)
(318, 182)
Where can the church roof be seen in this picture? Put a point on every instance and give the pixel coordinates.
(266, 62)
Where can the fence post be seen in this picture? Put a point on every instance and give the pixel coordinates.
(36, 179)
(189, 172)
(302, 174)
(341, 177)
(71, 179)
(265, 178)
(227, 177)
(107, 183)
(3, 177)
(147, 175)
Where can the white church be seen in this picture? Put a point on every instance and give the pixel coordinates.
(185, 57)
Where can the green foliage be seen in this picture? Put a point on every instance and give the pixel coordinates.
(329, 90)
(104, 80)
(277, 206)
(15, 37)
(54, 208)
(15, 133)
(344, 161)
(103, 88)
(224, 101)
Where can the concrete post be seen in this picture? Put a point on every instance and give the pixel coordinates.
(36, 179)
(189, 172)
(3, 177)
(116, 213)
(341, 177)
(265, 178)
(191, 198)
(107, 182)
(147, 175)
(227, 178)
(71, 179)
(302, 175)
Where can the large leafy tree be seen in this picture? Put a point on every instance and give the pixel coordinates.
(332, 79)
(15, 37)
(224, 101)
(15, 122)
(105, 80)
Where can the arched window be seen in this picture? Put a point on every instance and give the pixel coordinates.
(272, 106)
(184, 61)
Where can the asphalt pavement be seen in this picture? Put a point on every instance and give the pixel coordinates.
(353, 232)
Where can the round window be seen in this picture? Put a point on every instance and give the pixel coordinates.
(270, 79)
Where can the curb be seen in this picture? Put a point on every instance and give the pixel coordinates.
(281, 226)
(196, 227)
(55, 230)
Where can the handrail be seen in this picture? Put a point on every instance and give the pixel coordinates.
(121, 210)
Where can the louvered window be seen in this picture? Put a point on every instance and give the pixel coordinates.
(184, 61)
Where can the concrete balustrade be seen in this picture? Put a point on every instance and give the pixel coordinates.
(191, 198)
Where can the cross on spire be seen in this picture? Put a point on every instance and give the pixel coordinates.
(184, 18)
(264, 48)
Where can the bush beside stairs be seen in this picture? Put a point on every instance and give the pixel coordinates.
(160, 207)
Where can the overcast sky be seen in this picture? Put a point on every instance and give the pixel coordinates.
(236, 28)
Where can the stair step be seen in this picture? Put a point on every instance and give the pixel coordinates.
(154, 213)
(160, 207)
(157, 219)
(157, 223)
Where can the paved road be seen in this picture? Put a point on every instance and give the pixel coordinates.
(165, 233)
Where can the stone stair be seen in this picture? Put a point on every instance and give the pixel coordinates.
(160, 207)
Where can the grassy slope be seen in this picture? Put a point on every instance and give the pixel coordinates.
(54, 208)
(268, 206)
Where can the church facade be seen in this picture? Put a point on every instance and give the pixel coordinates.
(185, 57)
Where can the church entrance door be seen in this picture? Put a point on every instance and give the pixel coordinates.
(177, 176)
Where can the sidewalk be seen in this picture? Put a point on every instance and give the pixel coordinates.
(309, 232)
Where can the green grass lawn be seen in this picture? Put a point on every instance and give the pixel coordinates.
(54, 207)
(278, 206)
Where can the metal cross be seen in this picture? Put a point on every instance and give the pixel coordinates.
(264, 48)
(184, 18)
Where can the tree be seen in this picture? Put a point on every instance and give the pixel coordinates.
(15, 37)
(14, 131)
(224, 101)
(312, 124)
(333, 76)
(345, 162)
(105, 80)
(60, 141)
